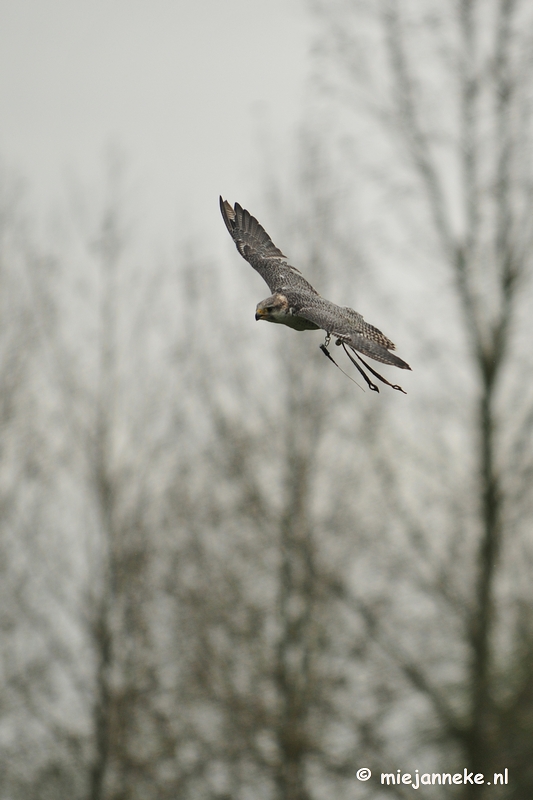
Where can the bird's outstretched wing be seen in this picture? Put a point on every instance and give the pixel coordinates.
(255, 245)
(349, 327)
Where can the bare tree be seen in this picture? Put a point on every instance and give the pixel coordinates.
(453, 102)
(104, 431)
(44, 746)
(264, 529)
(121, 448)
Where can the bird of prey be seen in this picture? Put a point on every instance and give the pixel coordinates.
(294, 302)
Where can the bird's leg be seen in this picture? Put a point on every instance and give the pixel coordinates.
(327, 340)
(362, 372)
(373, 371)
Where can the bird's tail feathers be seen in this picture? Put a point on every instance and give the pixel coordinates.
(374, 350)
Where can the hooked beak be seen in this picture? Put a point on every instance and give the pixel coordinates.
(260, 313)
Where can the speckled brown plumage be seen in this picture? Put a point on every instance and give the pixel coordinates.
(297, 304)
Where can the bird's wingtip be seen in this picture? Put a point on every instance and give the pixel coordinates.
(228, 214)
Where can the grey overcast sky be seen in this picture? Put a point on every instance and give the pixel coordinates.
(182, 87)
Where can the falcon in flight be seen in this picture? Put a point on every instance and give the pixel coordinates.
(294, 302)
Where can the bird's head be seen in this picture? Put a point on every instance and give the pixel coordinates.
(273, 309)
